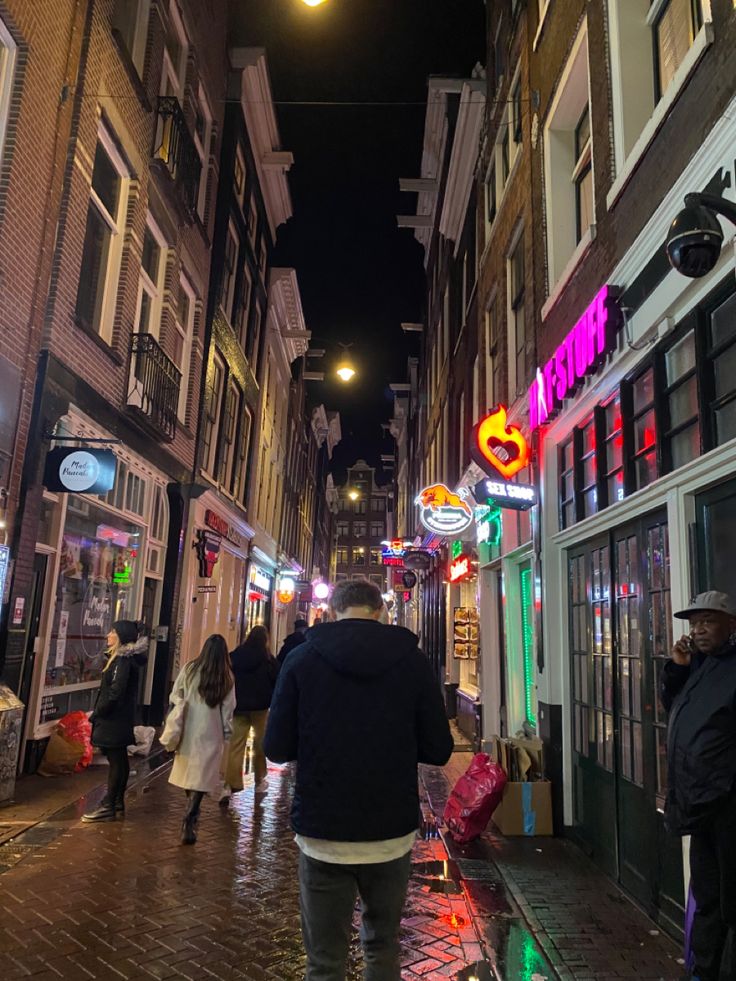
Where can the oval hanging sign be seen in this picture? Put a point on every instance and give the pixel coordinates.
(442, 511)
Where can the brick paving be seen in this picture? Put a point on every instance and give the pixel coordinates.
(125, 900)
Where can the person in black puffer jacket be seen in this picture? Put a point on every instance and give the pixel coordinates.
(113, 716)
(255, 671)
(358, 708)
(698, 688)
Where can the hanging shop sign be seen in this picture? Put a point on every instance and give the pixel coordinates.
(581, 353)
(259, 584)
(499, 447)
(442, 511)
(223, 527)
(460, 568)
(409, 579)
(488, 523)
(207, 547)
(286, 590)
(320, 590)
(80, 471)
(502, 494)
(416, 558)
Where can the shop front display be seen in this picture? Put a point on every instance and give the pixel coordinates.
(260, 591)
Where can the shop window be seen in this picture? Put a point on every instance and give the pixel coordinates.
(644, 430)
(588, 468)
(130, 21)
(613, 453)
(568, 161)
(359, 529)
(103, 238)
(159, 514)
(682, 437)
(527, 641)
(721, 341)
(359, 555)
(579, 648)
(229, 270)
(213, 398)
(184, 332)
(341, 555)
(676, 25)
(377, 529)
(376, 556)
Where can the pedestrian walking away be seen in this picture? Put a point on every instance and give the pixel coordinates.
(198, 727)
(293, 640)
(358, 708)
(113, 715)
(699, 690)
(255, 671)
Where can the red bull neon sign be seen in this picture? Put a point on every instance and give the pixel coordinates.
(442, 511)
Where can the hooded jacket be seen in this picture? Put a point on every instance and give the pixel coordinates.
(358, 708)
(293, 640)
(701, 740)
(255, 676)
(113, 716)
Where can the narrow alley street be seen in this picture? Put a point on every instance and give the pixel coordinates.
(126, 900)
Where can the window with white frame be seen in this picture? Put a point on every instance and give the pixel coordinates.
(568, 163)
(202, 141)
(103, 238)
(185, 310)
(675, 24)
(229, 270)
(518, 340)
(130, 19)
(151, 283)
(174, 67)
(213, 400)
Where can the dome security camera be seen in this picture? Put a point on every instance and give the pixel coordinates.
(695, 236)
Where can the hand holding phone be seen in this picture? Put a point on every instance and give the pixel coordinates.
(683, 650)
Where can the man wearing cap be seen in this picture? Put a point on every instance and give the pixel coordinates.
(699, 690)
(293, 640)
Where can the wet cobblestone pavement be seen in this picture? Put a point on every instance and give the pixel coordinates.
(126, 900)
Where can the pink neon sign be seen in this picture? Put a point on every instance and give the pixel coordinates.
(579, 355)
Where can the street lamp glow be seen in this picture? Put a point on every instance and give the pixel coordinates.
(353, 495)
(345, 373)
(313, 3)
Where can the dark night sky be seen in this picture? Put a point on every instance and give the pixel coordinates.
(360, 276)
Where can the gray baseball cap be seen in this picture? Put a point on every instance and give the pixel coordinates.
(711, 600)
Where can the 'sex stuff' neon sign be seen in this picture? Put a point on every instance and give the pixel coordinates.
(579, 355)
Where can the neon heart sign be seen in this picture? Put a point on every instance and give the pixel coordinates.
(497, 444)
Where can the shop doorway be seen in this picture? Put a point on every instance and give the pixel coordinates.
(620, 633)
(715, 530)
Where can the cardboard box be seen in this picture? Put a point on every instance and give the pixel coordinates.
(526, 809)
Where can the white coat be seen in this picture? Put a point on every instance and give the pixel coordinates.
(199, 734)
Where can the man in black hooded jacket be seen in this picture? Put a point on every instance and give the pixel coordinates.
(699, 691)
(358, 708)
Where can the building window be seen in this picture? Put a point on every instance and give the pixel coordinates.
(359, 555)
(566, 467)
(517, 320)
(675, 28)
(341, 555)
(377, 529)
(682, 433)
(613, 453)
(721, 346)
(588, 470)
(240, 479)
(239, 175)
(183, 340)
(359, 529)
(644, 429)
(102, 249)
(243, 308)
(376, 555)
(151, 284)
(229, 432)
(252, 218)
(229, 270)
(499, 59)
(504, 152)
(491, 195)
(568, 163)
(377, 505)
(213, 400)
(173, 73)
(377, 581)
(516, 118)
(360, 506)
(130, 21)
(254, 337)
(582, 176)
(494, 392)
(203, 142)
(343, 529)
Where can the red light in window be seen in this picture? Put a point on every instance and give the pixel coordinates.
(649, 438)
(625, 588)
(620, 477)
(618, 442)
(617, 423)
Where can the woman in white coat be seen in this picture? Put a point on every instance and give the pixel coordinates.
(198, 727)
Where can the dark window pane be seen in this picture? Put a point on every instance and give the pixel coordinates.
(644, 431)
(681, 358)
(686, 446)
(106, 181)
(614, 453)
(588, 435)
(589, 471)
(646, 469)
(616, 488)
(643, 389)
(590, 502)
(725, 372)
(723, 322)
(568, 515)
(94, 265)
(726, 422)
(684, 402)
(150, 256)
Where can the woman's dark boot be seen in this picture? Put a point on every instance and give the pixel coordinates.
(189, 824)
(105, 812)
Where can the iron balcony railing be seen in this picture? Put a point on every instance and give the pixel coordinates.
(175, 147)
(153, 392)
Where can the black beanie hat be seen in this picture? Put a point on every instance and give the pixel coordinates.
(127, 631)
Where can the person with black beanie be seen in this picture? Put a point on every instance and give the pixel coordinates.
(113, 716)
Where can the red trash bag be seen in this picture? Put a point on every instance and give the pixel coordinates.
(75, 727)
(474, 798)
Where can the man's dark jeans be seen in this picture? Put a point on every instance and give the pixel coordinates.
(328, 892)
(713, 874)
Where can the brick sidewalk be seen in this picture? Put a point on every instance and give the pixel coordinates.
(584, 925)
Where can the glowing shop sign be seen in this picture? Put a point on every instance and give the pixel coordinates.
(442, 511)
(498, 447)
(579, 355)
(519, 497)
(460, 568)
(489, 525)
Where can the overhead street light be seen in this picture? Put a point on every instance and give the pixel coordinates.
(313, 3)
(345, 370)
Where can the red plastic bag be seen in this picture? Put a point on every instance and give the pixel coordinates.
(75, 727)
(474, 798)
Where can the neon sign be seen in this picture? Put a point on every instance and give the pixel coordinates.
(460, 568)
(579, 355)
(518, 497)
(489, 524)
(496, 444)
(442, 511)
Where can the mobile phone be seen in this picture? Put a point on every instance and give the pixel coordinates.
(690, 644)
